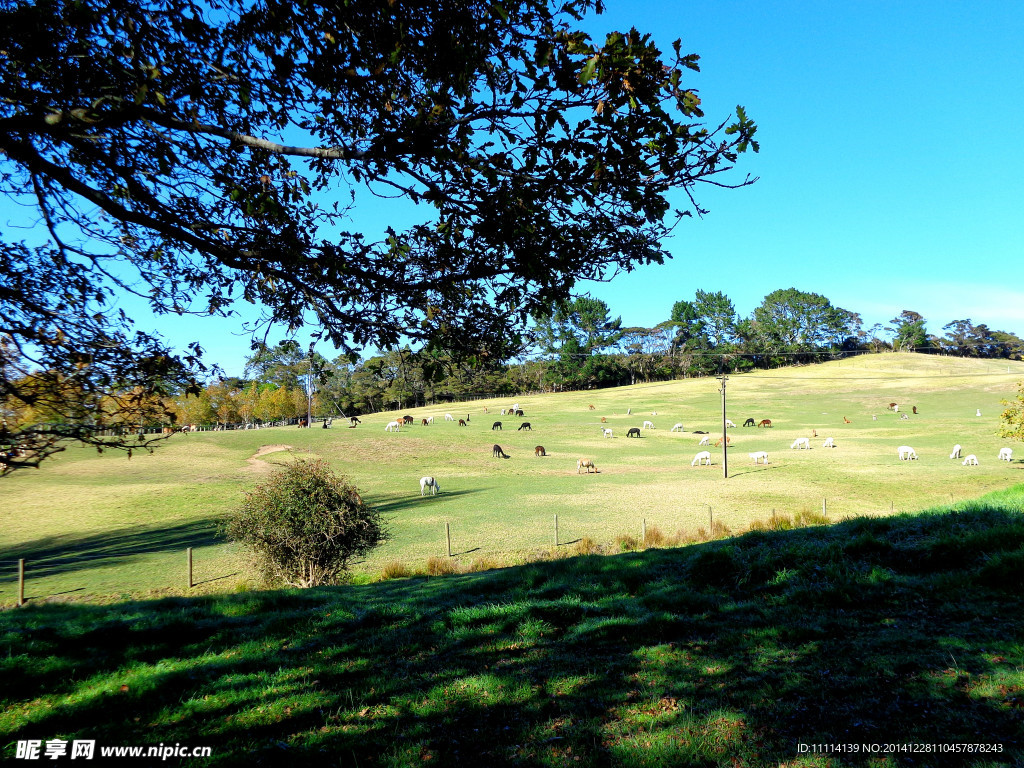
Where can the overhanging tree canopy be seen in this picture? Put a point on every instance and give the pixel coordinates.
(198, 153)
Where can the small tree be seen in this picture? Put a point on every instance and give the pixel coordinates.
(1012, 422)
(305, 525)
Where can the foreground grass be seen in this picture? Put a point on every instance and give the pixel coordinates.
(905, 629)
(92, 525)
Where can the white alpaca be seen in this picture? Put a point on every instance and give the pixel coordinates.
(802, 443)
(828, 443)
(430, 419)
(1006, 454)
(677, 428)
(393, 426)
(449, 417)
(759, 456)
(978, 413)
(895, 409)
(606, 432)
(971, 460)
(956, 451)
(648, 425)
(702, 457)
(728, 423)
(906, 453)
(704, 440)
(431, 483)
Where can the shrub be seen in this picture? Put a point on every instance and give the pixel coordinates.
(305, 525)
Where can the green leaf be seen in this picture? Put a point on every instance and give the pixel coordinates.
(588, 70)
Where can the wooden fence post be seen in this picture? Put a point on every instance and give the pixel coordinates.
(556, 530)
(188, 555)
(643, 533)
(448, 536)
(711, 523)
(21, 582)
(824, 507)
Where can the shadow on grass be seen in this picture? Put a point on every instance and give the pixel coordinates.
(905, 630)
(67, 553)
(399, 503)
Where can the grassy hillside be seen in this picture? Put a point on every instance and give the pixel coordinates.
(904, 630)
(106, 525)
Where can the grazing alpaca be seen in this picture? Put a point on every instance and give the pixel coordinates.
(759, 456)
(915, 410)
(525, 425)
(393, 426)
(606, 432)
(539, 451)
(498, 453)
(424, 422)
(971, 460)
(847, 421)
(518, 412)
(748, 423)
(633, 432)
(408, 420)
(765, 423)
(704, 457)
(828, 443)
(648, 425)
(891, 406)
(462, 422)
(354, 420)
(587, 464)
(814, 433)
(718, 442)
(677, 428)
(495, 425)
(1006, 454)
(431, 483)
(906, 453)
(728, 423)
(449, 417)
(956, 451)
(704, 440)
(590, 407)
(802, 443)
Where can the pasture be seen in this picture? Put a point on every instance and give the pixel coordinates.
(104, 525)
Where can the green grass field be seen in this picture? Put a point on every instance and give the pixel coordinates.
(901, 636)
(107, 526)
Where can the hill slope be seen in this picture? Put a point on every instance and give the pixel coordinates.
(105, 525)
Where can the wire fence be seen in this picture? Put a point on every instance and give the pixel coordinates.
(563, 531)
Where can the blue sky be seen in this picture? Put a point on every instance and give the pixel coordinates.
(891, 171)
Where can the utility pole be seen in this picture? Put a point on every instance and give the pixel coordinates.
(309, 390)
(725, 436)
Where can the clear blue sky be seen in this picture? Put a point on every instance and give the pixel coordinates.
(891, 165)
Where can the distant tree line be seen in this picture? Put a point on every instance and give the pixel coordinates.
(579, 345)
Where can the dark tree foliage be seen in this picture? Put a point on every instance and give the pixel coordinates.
(201, 153)
(69, 371)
